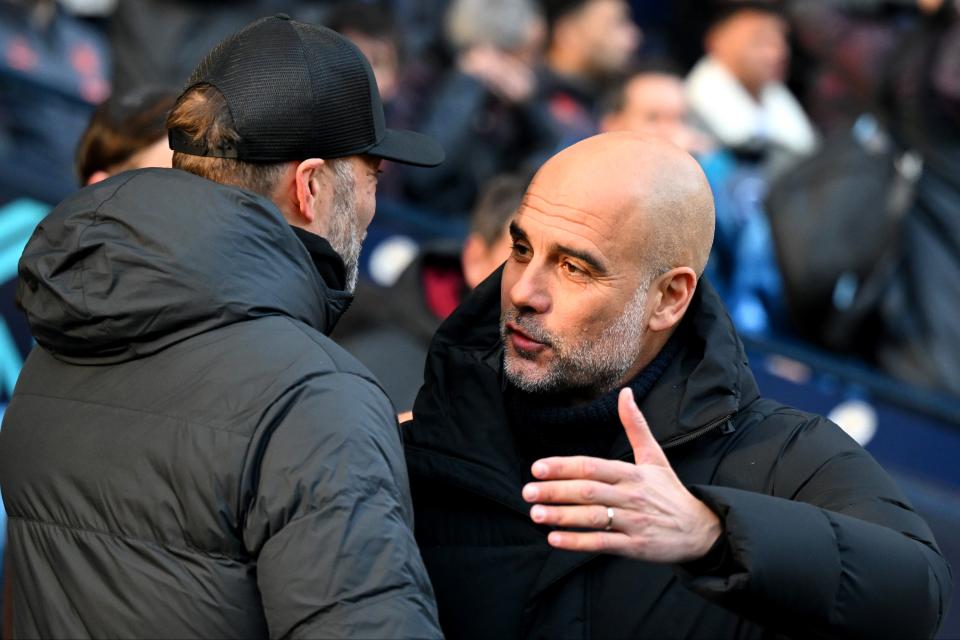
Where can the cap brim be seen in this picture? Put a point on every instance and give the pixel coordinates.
(408, 147)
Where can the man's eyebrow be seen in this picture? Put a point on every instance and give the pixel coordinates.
(584, 256)
(595, 263)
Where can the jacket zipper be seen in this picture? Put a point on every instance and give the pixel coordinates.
(727, 428)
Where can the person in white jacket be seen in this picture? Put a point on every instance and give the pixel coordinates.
(736, 90)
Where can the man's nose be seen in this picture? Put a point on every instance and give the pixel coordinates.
(531, 291)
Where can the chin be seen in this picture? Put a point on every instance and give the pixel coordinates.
(521, 371)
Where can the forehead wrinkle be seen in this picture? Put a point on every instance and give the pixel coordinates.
(575, 220)
(562, 206)
(601, 256)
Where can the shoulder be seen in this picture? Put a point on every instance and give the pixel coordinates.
(274, 370)
(323, 405)
(297, 350)
(778, 448)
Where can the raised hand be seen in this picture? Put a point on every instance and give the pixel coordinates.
(637, 510)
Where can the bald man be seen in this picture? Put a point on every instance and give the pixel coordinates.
(548, 506)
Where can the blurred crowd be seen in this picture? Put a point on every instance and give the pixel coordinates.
(829, 131)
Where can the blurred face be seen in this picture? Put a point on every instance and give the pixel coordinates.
(753, 46)
(573, 297)
(609, 34)
(383, 58)
(480, 259)
(654, 104)
(499, 251)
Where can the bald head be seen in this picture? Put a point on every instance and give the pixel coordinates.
(648, 199)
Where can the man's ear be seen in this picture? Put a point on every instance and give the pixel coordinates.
(672, 295)
(311, 184)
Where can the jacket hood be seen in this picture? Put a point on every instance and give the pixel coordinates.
(151, 257)
(460, 413)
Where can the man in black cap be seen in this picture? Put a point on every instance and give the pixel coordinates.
(187, 454)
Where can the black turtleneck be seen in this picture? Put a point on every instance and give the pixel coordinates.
(544, 427)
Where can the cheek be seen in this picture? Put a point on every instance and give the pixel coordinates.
(367, 206)
(576, 318)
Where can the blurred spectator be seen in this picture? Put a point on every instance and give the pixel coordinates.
(161, 41)
(920, 339)
(590, 42)
(421, 25)
(890, 294)
(404, 83)
(484, 114)
(370, 26)
(652, 101)
(389, 329)
(742, 265)
(126, 132)
(848, 45)
(737, 93)
(53, 71)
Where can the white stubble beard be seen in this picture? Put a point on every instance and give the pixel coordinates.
(344, 234)
(594, 364)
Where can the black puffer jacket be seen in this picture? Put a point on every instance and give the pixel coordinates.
(186, 454)
(820, 542)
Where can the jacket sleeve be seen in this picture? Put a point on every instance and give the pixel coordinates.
(832, 551)
(330, 520)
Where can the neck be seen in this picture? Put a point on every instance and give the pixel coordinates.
(753, 91)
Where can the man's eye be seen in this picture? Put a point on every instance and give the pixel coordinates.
(572, 269)
(520, 250)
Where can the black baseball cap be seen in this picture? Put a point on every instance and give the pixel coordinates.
(297, 91)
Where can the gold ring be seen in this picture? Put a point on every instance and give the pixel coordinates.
(610, 514)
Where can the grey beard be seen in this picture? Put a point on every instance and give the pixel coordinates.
(344, 233)
(595, 365)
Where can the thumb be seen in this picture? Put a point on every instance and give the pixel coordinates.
(646, 450)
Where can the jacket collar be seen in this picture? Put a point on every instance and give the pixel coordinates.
(332, 272)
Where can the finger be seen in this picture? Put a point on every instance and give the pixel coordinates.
(582, 468)
(646, 450)
(597, 541)
(588, 517)
(572, 492)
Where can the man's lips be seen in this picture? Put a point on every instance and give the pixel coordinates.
(522, 341)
